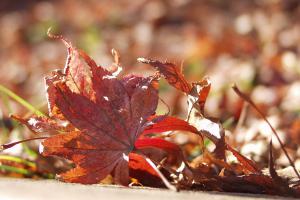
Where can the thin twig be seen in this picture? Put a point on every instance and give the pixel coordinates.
(247, 99)
(163, 178)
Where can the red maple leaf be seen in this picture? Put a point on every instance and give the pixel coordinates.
(105, 115)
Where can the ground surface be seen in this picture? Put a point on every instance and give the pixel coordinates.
(14, 189)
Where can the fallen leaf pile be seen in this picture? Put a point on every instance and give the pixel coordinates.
(107, 126)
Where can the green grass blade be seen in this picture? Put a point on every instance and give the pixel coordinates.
(228, 123)
(26, 172)
(20, 100)
(8, 168)
(29, 151)
(6, 103)
(17, 160)
(48, 176)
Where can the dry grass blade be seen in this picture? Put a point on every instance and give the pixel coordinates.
(163, 178)
(248, 100)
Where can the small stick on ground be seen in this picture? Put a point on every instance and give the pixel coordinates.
(248, 100)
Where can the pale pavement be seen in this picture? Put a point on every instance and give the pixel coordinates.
(26, 189)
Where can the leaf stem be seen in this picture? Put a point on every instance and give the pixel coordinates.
(9, 145)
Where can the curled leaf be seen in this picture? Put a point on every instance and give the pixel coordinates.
(169, 123)
(171, 72)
